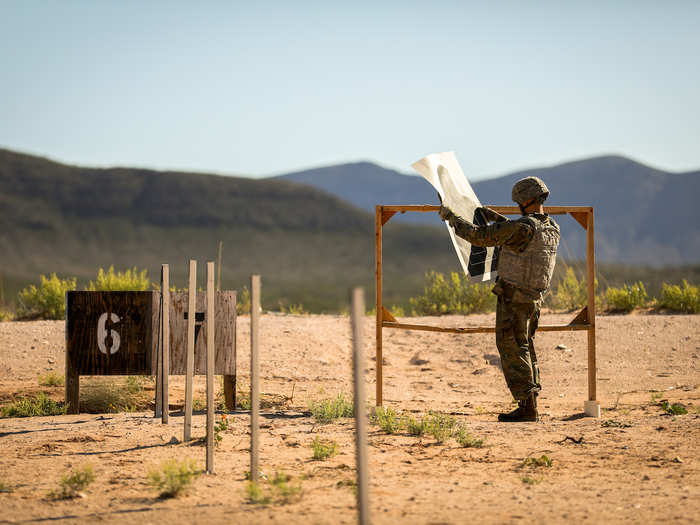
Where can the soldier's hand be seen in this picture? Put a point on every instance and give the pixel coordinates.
(445, 213)
(491, 215)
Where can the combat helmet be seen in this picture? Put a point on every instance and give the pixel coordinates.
(529, 188)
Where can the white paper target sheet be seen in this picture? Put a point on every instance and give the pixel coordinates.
(443, 171)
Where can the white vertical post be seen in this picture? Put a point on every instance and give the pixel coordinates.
(254, 374)
(358, 312)
(191, 314)
(165, 339)
(210, 367)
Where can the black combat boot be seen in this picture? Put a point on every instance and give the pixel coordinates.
(526, 411)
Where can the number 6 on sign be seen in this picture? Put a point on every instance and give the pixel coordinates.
(102, 334)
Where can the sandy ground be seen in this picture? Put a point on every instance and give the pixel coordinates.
(644, 469)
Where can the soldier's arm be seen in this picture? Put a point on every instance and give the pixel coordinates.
(514, 234)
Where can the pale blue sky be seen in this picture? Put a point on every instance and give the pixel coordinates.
(236, 88)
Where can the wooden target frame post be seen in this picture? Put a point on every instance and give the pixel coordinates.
(583, 320)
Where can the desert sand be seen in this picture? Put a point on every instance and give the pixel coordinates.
(635, 464)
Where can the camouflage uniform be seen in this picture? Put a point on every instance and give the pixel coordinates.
(518, 308)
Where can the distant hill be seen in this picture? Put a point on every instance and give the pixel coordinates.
(643, 215)
(309, 246)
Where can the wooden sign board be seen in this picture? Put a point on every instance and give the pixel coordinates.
(116, 333)
(224, 337)
(111, 333)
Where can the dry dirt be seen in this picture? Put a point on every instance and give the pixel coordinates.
(644, 469)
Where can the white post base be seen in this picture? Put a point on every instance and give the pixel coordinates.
(591, 408)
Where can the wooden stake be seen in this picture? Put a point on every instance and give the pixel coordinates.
(72, 377)
(230, 381)
(591, 407)
(218, 267)
(358, 313)
(210, 367)
(158, 410)
(165, 339)
(191, 314)
(254, 374)
(378, 289)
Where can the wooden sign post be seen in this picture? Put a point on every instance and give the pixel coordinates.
(149, 333)
(254, 374)
(358, 313)
(210, 367)
(189, 374)
(108, 333)
(165, 339)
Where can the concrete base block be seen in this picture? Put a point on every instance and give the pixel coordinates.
(591, 408)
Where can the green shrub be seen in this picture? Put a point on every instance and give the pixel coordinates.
(455, 295)
(71, 485)
(294, 309)
(6, 315)
(46, 302)
(528, 480)
(173, 477)
(328, 410)
(111, 281)
(387, 419)
(51, 379)
(440, 426)
(243, 301)
(40, 405)
(466, 440)
(570, 293)
(416, 426)
(256, 495)
(219, 428)
(682, 298)
(627, 298)
(284, 491)
(323, 449)
(279, 490)
(675, 409)
(542, 461)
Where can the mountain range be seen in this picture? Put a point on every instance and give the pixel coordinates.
(309, 246)
(309, 234)
(643, 215)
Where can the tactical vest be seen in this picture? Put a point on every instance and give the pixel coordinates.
(532, 269)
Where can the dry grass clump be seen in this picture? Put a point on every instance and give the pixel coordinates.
(101, 395)
(51, 379)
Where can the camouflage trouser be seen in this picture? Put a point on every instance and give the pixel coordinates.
(516, 324)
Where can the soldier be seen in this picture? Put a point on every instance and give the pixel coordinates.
(526, 262)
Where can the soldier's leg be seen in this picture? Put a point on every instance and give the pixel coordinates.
(531, 329)
(513, 346)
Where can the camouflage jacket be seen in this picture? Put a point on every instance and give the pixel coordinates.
(515, 235)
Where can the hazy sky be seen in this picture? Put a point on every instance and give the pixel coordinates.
(264, 88)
